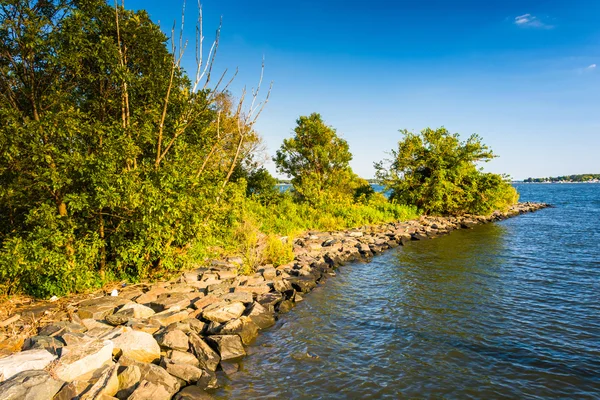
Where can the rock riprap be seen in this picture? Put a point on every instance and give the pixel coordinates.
(166, 340)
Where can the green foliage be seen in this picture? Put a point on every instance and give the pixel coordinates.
(288, 217)
(278, 251)
(111, 165)
(438, 173)
(318, 162)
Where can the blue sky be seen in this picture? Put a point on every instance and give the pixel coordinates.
(523, 74)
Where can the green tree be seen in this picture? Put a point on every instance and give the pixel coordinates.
(438, 173)
(318, 160)
(112, 160)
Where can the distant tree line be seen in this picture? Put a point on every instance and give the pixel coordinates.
(565, 178)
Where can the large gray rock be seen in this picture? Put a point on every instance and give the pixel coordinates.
(154, 374)
(168, 300)
(183, 357)
(150, 391)
(261, 316)
(186, 372)
(30, 385)
(192, 393)
(244, 327)
(170, 316)
(128, 379)
(136, 310)
(223, 312)
(229, 346)
(52, 344)
(100, 307)
(107, 385)
(25, 360)
(174, 339)
(80, 360)
(208, 380)
(206, 356)
(140, 346)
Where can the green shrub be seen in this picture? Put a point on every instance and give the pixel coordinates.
(278, 251)
(437, 173)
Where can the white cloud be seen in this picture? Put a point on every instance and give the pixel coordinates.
(591, 67)
(531, 21)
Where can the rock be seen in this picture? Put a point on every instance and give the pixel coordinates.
(261, 316)
(243, 297)
(72, 390)
(150, 295)
(419, 236)
(183, 357)
(208, 380)
(269, 299)
(30, 385)
(169, 300)
(205, 302)
(355, 234)
(303, 284)
(192, 393)
(154, 374)
(147, 326)
(174, 339)
(150, 391)
(61, 327)
(227, 274)
(229, 346)
(35, 359)
(269, 273)
(281, 285)
(186, 372)
(244, 327)
(79, 360)
(196, 325)
(207, 357)
(134, 310)
(230, 368)
(117, 319)
(74, 339)
(90, 324)
(254, 289)
(169, 316)
(223, 312)
(100, 307)
(285, 306)
(107, 385)
(128, 381)
(140, 346)
(52, 344)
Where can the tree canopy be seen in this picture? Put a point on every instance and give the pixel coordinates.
(438, 173)
(318, 161)
(112, 160)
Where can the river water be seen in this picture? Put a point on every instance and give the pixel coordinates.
(507, 310)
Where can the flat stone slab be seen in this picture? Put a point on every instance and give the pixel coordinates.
(79, 360)
(224, 311)
(36, 359)
(100, 307)
(30, 385)
(137, 345)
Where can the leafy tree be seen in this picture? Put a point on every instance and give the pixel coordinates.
(112, 160)
(438, 173)
(318, 162)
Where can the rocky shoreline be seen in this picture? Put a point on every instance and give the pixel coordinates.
(167, 340)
